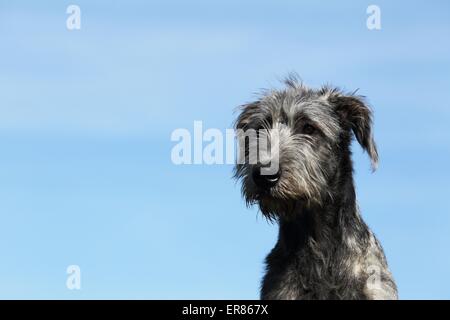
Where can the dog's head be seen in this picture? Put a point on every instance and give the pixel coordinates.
(294, 143)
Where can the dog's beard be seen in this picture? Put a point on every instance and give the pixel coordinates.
(273, 203)
(300, 183)
(273, 208)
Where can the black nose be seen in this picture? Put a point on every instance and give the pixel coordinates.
(264, 180)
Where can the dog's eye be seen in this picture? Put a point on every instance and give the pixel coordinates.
(308, 129)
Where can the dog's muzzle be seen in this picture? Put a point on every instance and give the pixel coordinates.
(265, 181)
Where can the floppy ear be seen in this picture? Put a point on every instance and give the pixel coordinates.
(358, 116)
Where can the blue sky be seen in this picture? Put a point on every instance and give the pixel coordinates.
(86, 116)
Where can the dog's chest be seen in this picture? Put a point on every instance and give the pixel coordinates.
(311, 277)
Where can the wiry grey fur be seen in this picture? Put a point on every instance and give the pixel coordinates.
(324, 249)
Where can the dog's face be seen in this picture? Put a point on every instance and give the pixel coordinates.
(307, 133)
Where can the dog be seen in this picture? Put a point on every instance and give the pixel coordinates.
(324, 249)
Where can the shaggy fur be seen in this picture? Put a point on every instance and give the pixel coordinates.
(324, 249)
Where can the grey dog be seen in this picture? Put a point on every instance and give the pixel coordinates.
(324, 250)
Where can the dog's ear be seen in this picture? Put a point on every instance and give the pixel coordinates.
(358, 116)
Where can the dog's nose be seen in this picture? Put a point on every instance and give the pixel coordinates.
(263, 180)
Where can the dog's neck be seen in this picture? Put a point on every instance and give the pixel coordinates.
(322, 224)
